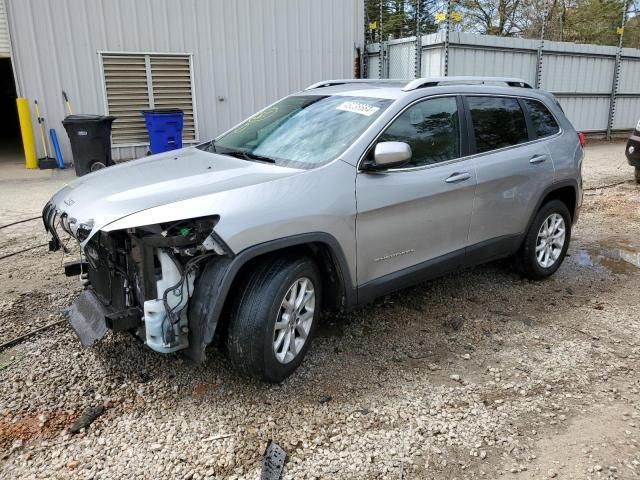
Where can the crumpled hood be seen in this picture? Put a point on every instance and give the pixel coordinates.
(107, 195)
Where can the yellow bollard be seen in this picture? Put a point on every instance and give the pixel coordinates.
(28, 143)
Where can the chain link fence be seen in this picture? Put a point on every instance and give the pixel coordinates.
(394, 59)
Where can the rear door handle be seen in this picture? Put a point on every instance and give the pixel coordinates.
(538, 159)
(458, 177)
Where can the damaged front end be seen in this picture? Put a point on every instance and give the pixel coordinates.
(139, 280)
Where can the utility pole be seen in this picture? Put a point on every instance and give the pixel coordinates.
(616, 72)
(446, 39)
(380, 25)
(545, 14)
(417, 62)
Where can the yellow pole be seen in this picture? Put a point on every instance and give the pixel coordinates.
(28, 143)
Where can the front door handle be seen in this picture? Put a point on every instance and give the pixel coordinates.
(458, 177)
(538, 159)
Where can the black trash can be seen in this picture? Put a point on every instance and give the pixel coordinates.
(90, 137)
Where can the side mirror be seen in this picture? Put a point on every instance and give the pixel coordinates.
(388, 155)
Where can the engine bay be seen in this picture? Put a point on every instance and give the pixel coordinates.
(138, 280)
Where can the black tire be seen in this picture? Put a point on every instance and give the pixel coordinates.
(250, 334)
(526, 260)
(637, 174)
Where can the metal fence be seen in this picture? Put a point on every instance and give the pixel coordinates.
(597, 86)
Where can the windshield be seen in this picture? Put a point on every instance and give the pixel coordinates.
(301, 131)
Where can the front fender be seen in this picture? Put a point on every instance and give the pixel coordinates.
(214, 284)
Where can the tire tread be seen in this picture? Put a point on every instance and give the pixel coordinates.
(245, 338)
(525, 258)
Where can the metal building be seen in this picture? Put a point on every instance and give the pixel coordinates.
(218, 60)
(4, 33)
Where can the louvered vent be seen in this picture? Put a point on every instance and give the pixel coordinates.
(4, 32)
(171, 79)
(125, 79)
(139, 82)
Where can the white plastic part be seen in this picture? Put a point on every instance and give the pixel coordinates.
(211, 244)
(162, 335)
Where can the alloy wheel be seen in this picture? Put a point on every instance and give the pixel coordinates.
(550, 241)
(294, 321)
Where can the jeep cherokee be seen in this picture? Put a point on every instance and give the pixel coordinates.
(327, 199)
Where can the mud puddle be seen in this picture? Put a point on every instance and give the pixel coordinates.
(615, 256)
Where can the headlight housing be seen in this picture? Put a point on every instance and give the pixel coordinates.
(188, 236)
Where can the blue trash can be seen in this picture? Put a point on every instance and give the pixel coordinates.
(164, 127)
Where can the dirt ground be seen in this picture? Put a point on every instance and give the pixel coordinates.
(476, 375)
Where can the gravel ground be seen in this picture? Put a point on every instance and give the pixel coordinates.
(476, 375)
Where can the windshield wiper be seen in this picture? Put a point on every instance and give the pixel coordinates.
(248, 156)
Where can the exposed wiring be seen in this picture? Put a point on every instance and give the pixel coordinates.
(81, 261)
(54, 232)
(172, 314)
(174, 225)
(169, 310)
(65, 250)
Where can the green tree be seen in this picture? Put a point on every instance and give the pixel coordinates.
(502, 18)
(632, 33)
(580, 21)
(400, 18)
(593, 21)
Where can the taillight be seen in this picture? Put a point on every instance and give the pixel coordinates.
(583, 141)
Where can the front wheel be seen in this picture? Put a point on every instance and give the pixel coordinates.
(637, 174)
(546, 242)
(274, 318)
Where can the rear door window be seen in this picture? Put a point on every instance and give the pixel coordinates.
(544, 124)
(498, 122)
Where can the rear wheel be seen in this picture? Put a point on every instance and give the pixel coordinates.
(637, 174)
(547, 241)
(274, 318)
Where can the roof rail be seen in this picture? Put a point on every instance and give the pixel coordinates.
(331, 83)
(438, 81)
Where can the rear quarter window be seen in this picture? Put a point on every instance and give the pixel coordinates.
(544, 123)
(498, 122)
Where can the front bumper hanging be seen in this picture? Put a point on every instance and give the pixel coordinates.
(87, 317)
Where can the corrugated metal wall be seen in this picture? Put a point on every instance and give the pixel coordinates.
(492, 56)
(580, 76)
(432, 61)
(246, 53)
(628, 102)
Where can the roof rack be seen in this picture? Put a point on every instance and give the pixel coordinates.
(331, 83)
(439, 81)
(426, 82)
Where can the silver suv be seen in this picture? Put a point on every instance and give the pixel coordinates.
(325, 200)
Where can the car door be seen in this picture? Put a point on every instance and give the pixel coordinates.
(513, 168)
(416, 217)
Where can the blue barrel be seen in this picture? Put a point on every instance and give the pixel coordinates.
(164, 127)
